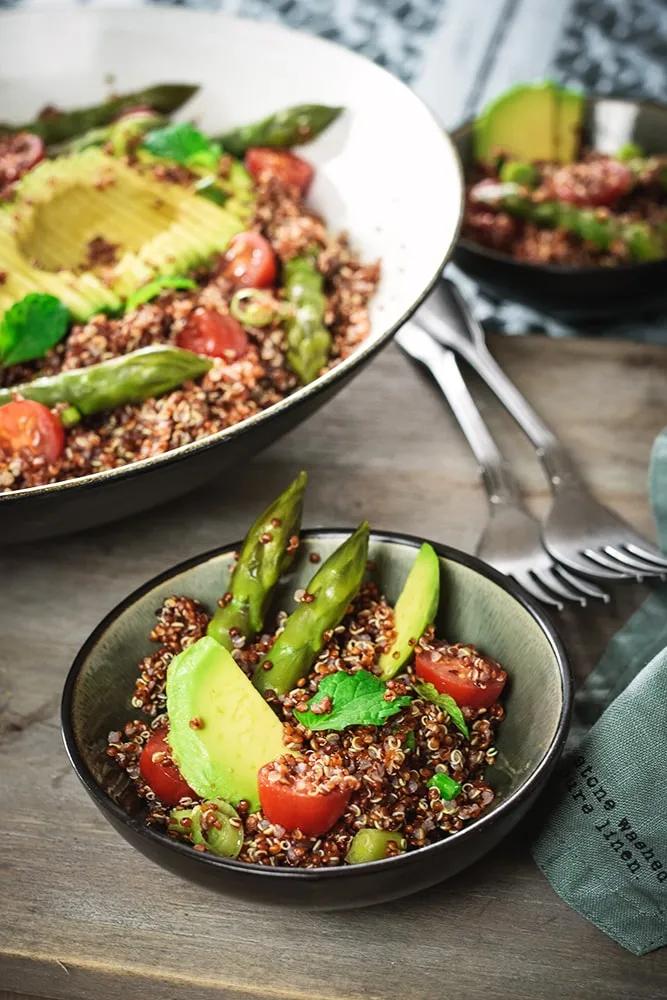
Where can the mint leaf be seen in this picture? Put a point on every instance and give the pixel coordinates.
(446, 703)
(153, 288)
(183, 143)
(356, 700)
(31, 326)
(447, 787)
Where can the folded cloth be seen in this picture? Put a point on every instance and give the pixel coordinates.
(604, 845)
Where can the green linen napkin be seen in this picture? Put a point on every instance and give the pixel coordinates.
(604, 845)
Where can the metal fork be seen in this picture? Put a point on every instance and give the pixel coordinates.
(511, 539)
(578, 531)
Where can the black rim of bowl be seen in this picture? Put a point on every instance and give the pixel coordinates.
(312, 874)
(556, 270)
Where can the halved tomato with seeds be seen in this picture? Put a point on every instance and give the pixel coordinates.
(463, 673)
(26, 425)
(598, 183)
(249, 262)
(298, 797)
(283, 166)
(160, 772)
(215, 335)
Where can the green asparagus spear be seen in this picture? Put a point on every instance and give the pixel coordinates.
(142, 374)
(329, 593)
(308, 340)
(58, 126)
(643, 241)
(290, 127)
(265, 556)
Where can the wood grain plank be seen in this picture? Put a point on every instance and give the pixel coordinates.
(83, 915)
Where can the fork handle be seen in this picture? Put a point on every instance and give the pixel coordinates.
(499, 480)
(446, 316)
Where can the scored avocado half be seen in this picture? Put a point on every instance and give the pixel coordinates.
(532, 121)
(68, 205)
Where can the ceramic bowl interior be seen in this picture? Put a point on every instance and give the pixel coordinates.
(578, 292)
(478, 605)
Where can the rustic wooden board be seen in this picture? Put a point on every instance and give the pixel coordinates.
(84, 916)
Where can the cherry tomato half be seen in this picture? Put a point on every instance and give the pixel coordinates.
(600, 182)
(297, 808)
(25, 424)
(210, 333)
(472, 680)
(18, 154)
(160, 772)
(249, 262)
(285, 167)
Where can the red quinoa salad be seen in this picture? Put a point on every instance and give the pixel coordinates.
(538, 194)
(159, 284)
(344, 731)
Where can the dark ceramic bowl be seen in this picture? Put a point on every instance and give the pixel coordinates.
(246, 69)
(578, 293)
(479, 605)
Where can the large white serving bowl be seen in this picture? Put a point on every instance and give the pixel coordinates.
(385, 172)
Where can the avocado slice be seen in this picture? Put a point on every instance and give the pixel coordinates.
(221, 731)
(570, 121)
(158, 228)
(532, 121)
(415, 609)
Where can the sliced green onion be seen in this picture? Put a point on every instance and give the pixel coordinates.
(70, 416)
(447, 787)
(255, 307)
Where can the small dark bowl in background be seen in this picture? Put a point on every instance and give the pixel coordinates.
(578, 293)
(479, 605)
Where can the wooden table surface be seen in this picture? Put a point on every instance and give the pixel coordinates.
(82, 915)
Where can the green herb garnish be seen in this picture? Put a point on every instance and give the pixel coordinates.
(447, 787)
(410, 741)
(446, 703)
(153, 289)
(356, 700)
(31, 326)
(183, 143)
(256, 307)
